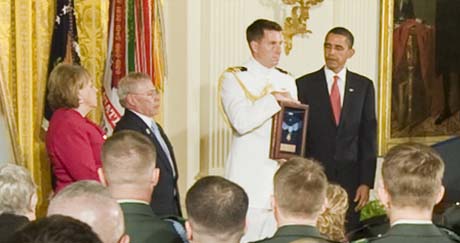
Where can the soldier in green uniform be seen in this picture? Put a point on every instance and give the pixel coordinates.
(411, 185)
(299, 198)
(128, 169)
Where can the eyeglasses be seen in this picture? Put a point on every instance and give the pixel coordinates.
(150, 93)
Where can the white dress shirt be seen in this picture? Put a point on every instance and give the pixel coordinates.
(340, 82)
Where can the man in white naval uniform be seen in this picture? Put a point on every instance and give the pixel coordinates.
(249, 98)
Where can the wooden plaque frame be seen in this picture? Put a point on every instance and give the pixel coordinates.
(289, 131)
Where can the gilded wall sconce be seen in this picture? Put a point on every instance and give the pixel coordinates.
(296, 23)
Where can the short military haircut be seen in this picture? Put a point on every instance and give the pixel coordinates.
(92, 203)
(16, 190)
(300, 187)
(128, 157)
(412, 175)
(217, 207)
(56, 229)
(64, 84)
(255, 31)
(344, 32)
(130, 83)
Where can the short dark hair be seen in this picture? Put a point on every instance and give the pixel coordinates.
(345, 32)
(56, 229)
(255, 31)
(300, 187)
(217, 206)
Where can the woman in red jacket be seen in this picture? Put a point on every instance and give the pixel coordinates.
(73, 142)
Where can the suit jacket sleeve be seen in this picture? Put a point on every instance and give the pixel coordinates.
(368, 139)
(245, 115)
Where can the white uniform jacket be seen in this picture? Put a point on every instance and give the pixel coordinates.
(249, 107)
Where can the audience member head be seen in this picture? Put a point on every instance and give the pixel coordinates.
(411, 179)
(128, 166)
(338, 48)
(56, 229)
(91, 203)
(264, 39)
(17, 191)
(70, 86)
(299, 192)
(217, 210)
(137, 92)
(331, 222)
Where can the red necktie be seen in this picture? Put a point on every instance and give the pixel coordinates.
(335, 100)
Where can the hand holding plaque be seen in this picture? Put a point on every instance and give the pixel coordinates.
(284, 96)
(289, 131)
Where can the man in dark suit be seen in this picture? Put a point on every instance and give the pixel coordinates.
(141, 102)
(128, 170)
(342, 124)
(300, 187)
(411, 185)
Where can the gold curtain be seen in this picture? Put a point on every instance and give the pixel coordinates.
(25, 34)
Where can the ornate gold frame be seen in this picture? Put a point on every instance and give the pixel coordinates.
(296, 23)
(385, 141)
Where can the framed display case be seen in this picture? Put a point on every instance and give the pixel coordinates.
(289, 131)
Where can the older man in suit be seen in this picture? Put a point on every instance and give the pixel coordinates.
(342, 123)
(141, 102)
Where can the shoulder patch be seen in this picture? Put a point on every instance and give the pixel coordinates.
(282, 70)
(236, 69)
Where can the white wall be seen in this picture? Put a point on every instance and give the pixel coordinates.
(206, 36)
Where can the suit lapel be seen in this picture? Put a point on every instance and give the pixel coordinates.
(349, 97)
(324, 97)
(142, 127)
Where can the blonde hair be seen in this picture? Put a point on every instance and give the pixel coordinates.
(64, 83)
(17, 189)
(331, 222)
(412, 175)
(300, 187)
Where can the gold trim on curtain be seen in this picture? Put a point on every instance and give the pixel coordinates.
(5, 109)
(25, 33)
(24, 40)
(92, 25)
